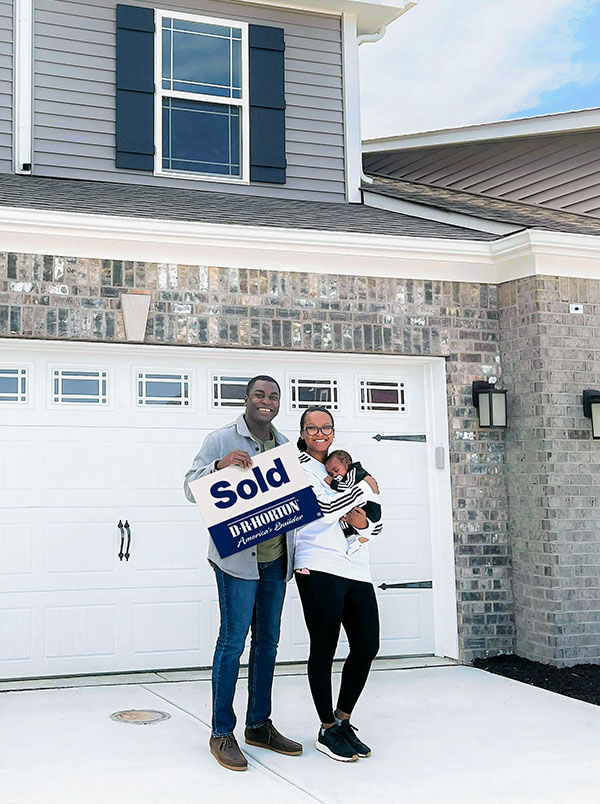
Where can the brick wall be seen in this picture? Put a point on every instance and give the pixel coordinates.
(549, 357)
(43, 296)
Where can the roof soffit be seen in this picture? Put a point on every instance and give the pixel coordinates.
(371, 15)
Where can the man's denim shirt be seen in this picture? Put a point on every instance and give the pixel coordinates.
(216, 446)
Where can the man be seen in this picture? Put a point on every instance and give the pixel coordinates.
(251, 586)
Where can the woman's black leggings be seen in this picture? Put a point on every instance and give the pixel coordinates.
(328, 602)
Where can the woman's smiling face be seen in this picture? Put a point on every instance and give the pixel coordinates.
(317, 444)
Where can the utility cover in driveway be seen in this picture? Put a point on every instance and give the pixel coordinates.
(140, 717)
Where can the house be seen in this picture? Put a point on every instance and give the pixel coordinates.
(181, 207)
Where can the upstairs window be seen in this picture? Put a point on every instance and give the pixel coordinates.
(199, 97)
(202, 112)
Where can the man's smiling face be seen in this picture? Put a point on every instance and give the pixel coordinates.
(262, 403)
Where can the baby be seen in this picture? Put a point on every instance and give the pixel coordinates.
(344, 474)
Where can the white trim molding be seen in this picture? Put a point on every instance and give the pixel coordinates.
(23, 87)
(503, 129)
(351, 81)
(233, 246)
(525, 253)
(537, 252)
(443, 560)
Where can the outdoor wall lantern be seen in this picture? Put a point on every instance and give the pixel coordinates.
(490, 403)
(591, 409)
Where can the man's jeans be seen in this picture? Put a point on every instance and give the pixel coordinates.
(246, 604)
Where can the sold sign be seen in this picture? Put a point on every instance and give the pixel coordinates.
(243, 507)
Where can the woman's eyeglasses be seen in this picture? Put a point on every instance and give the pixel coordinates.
(312, 429)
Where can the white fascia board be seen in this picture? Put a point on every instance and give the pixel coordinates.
(166, 241)
(528, 253)
(23, 86)
(503, 129)
(371, 16)
(352, 141)
(417, 210)
(538, 252)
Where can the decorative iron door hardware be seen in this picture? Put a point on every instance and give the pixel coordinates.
(128, 529)
(421, 438)
(120, 553)
(409, 585)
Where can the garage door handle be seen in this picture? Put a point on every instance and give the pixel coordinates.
(410, 585)
(120, 553)
(421, 438)
(128, 529)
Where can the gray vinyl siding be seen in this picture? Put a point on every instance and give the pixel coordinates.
(6, 85)
(559, 171)
(74, 104)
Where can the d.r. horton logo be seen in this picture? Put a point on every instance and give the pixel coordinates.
(261, 522)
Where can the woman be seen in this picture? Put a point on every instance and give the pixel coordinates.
(335, 589)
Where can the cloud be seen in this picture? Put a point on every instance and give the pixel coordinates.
(447, 64)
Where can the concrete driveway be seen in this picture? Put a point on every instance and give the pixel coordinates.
(438, 734)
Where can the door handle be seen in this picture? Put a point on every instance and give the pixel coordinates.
(409, 585)
(421, 438)
(120, 553)
(128, 529)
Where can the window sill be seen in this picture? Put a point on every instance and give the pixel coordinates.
(174, 174)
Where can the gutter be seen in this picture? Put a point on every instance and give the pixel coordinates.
(433, 213)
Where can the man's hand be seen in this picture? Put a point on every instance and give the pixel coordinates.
(373, 483)
(237, 457)
(357, 518)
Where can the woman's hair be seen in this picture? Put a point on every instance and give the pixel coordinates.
(301, 443)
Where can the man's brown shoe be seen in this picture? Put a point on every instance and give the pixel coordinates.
(267, 736)
(227, 753)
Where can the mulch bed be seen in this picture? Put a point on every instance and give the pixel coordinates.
(581, 681)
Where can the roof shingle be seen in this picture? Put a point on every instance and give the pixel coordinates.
(484, 207)
(137, 201)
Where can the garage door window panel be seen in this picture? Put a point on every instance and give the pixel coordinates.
(13, 385)
(154, 389)
(306, 392)
(382, 395)
(73, 387)
(228, 391)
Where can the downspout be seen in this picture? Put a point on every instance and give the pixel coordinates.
(367, 39)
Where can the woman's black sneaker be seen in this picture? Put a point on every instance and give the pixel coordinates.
(333, 742)
(348, 731)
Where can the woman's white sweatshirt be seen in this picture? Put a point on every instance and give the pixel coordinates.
(321, 545)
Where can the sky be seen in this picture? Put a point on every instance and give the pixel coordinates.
(451, 63)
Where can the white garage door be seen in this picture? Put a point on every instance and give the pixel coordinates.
(102, 560)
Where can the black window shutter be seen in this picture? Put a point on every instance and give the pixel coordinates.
(135, 88)
(267, 104)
